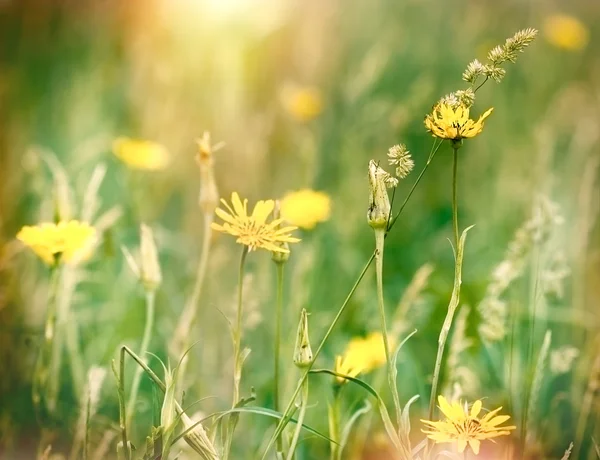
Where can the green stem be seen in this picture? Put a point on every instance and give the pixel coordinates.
(237, 332)
(391, 370)
(137, 376)
(454, 195)
(451, 310)
(43, 364)
(277, 345)
(303, 405)
(334, 426)
(122, 410)
(434, 148)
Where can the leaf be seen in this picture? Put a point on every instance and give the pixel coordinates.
(405, 422)
(350, 423)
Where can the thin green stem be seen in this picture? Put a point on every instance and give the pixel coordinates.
(391, 370)
(43, 366)
(283, 421)
(301, 413)
(334, 414)
(137, 376)
(454, 195)
(237, 332)
(122, 410)
(443, 337)
(434, 148)
(277, 345)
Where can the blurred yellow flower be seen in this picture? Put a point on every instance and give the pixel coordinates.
(447, 122)
(304, 103)
(305, 208)
(254, 231)
(362, 355)
(566, 32)
(141, 154)
(67, 242)
(465, 427)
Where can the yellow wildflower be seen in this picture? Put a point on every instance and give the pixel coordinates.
(141, 154)
(70, 241)
(464, 426)
(362, 355)
(448, 122)
(305, 208)
(566, 32)
(253, 230)
(304, 103)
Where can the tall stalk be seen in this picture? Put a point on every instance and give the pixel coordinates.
(391, 369)
(301, 413)
(137, 377)
(237, 331)
(456, 291)
(277, 345)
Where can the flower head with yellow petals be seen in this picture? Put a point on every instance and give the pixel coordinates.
(452, 122)
(304, 103)
(68, 242)
(566, 32)
(141, 154)
(253, 231)
(306, 208)
(465, 427)
(362, 355)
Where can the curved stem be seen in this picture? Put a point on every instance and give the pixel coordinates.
(137, 376)
(303, 405)
(391, 370)
(277, 345)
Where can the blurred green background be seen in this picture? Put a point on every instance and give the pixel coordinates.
(75, 75)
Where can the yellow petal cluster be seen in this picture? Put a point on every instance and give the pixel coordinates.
(306, 208)
(362, 355)
(141, 154)
(68, 242)
(304, 103)
(253, 230)
(465, 427)
(448, 122)
(566, 32)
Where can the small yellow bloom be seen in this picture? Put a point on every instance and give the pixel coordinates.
(447, 122)
(305, 208)
(141, 154)
(68, 242)
(253, 230)
(464, 426)
(566, 32)
(362, 355)
(304, 103)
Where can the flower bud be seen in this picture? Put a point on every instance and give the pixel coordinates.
(379, 202)
(303, 355)
(208, 200)
(150, 274)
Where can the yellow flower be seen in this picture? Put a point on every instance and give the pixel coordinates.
(304, 103)
(362, 355)
(305, 208)
(141, 154)
(465, 427)
(566, 32)
(253, 230)
(63, 242)
(447, 122)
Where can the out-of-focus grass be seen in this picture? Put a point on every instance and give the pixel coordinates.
(74, 76)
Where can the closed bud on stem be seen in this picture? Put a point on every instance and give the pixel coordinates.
(208, 199)
(150, 273)
(303, 354)
(379, 201)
